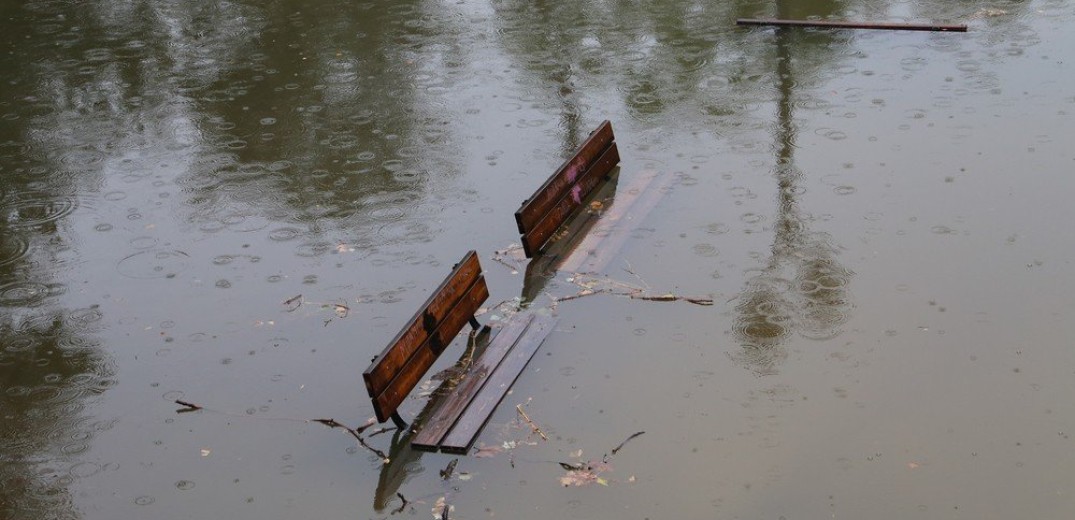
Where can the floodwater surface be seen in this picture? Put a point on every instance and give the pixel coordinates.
(237, 204)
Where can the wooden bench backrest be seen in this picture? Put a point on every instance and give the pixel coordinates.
(543, 213)
(394, 373)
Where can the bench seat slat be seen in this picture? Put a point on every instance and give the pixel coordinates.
(438, 425)
(539, 234)
(607, 237)
(466, 429)
(411, 373)
(538, 205)
(417, 330)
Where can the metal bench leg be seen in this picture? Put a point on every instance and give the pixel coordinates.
(400, 423)
(474, 323)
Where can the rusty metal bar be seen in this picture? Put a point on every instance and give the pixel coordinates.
(854, 25)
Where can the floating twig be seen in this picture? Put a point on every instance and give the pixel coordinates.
(190, 407)
(356, 433)
(511, 253)
(620, 447)
(382, 430)
(581, 294)
(591, 285)
(630, 270)
(697, 300)
(505, 264)
(537, 430)
(294, 299)
(331, 423)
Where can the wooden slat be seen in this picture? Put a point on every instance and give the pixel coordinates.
(538, 205)
(572, 199)
(835, 24)
(385, 366)
(411, 373)
(606, 238)
(436, 426)
(468, 426)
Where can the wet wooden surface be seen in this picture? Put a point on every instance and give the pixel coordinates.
(564, 183)
(834, 24)
(607, 237)
(535, 238)
(469, 425)
(437, 426)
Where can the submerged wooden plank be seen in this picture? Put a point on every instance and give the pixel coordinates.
(538, 205)
(411, 373)
(385, 366)
(437, 425)
(834, 24)
(468, 426)
(539, 234)
(607, 237)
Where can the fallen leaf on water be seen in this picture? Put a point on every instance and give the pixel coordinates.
(912, 465)
(342, 310)
(579, 478)
(439, 506)
(584, 474)
(576, 454)
(206, 452)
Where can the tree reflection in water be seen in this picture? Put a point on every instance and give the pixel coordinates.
(802, 288)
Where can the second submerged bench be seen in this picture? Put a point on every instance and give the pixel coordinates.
(464, 411)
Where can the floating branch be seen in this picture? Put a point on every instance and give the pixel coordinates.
(382, 430)
(537, 430)
(331, 423)
(590, 286)
(673, 298)
(356, 433)
(831, 24)
(294, 300)
(620, 447)
(190, 407)
(581, 294)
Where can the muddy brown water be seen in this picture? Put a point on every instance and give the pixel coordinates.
(882, 219)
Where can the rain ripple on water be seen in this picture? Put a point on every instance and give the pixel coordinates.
(32, 208)
(13, 248)
(28, 294)
(159, 263)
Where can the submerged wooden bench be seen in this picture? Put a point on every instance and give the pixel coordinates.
(393, 374)
(462, 413)
(563, 193)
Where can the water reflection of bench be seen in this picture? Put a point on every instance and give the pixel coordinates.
(391, 376)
